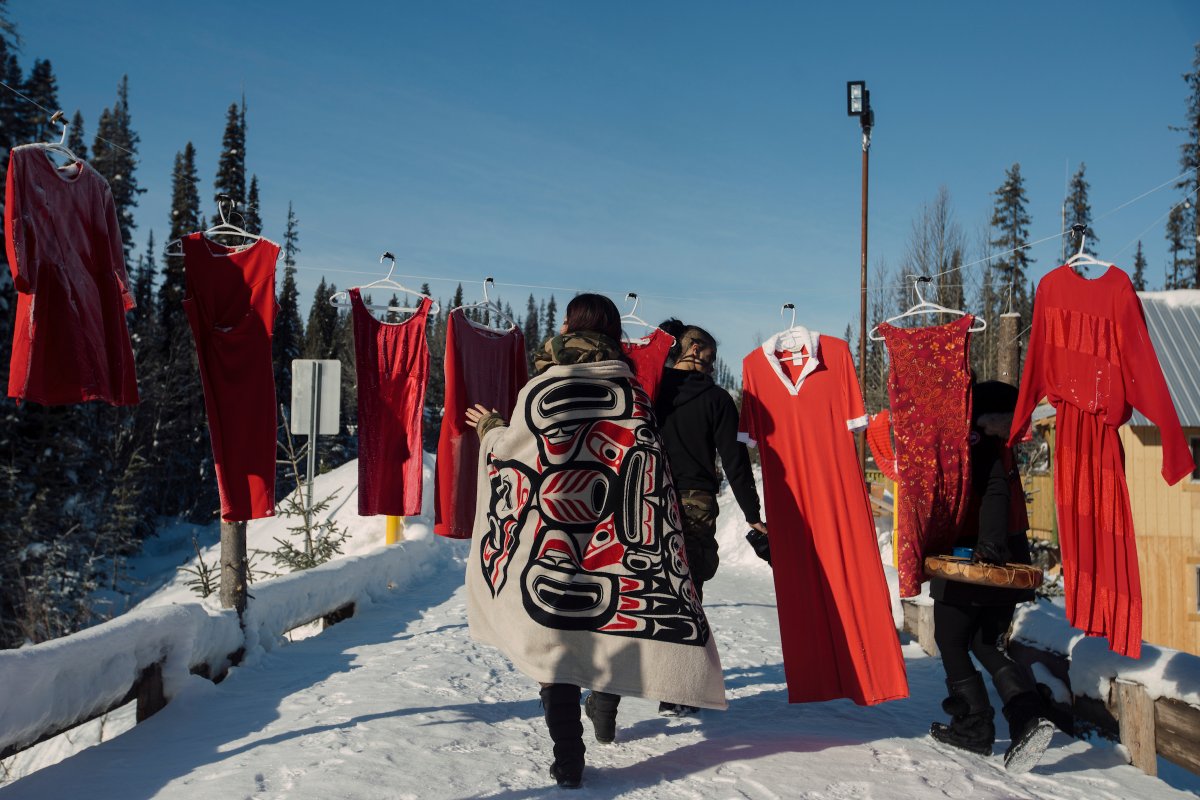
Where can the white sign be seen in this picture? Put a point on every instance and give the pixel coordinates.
(316, 390)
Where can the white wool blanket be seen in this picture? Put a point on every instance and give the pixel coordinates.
(577, 569)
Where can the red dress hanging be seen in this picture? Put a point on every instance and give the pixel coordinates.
(70, 343)
(482, 366)
(392, 362)
(929, 389)
(1091, 356)
(230, 306)
(835, 616)
(649, 358)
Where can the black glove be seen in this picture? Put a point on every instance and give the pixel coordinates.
(990, 553)
(761, 544)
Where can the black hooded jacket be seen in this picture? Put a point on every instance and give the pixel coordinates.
(698, 420)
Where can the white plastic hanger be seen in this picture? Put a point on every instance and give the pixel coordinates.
(924, 306)
(790, 339)
(632, 315)
(224, 228)
(489, 305)
(61, 145)
(1082, 259)
(342, 299)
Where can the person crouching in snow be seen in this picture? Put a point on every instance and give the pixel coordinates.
(971, 618)
(577, 570)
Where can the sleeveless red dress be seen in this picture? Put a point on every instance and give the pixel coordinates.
(230, 306)
(392, 361)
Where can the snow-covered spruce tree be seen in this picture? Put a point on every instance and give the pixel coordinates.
(252, 215)
(231, 166)
(1139, 269)
(1010, 236)
(1079, 211)
(1176, 268)
(41, 88)
(435, 389)
(75, 142)
(287, 343)
(531, 329)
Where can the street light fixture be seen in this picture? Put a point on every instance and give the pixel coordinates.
(858, 104)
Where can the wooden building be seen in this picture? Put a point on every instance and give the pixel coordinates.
(1166, 519)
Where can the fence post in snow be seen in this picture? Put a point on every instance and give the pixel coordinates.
(1135, 713)
(233, 566)
(1010, 349)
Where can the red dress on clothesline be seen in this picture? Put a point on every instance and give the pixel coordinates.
(485, 367)
(1091, 356)
(835, 617)
(649, 359)
(929, 388)
(70, 343)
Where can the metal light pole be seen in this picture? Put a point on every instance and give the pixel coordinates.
(858, 104)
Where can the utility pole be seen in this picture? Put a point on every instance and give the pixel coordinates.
(858, 104)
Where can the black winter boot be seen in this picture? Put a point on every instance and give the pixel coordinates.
(1029, 730)
(971, 727)
(561, 702)
(601, 708)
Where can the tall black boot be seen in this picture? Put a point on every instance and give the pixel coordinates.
(971, 717)
(1029, 729)
(601, 708)
(561, 702)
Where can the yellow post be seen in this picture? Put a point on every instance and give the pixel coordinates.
(394, 530)
(895, 525)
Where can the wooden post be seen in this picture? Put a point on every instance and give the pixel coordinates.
(233, 566)
(1010, 349)
(1135, 715)
(925, 630)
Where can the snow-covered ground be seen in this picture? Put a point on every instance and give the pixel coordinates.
(399, 702)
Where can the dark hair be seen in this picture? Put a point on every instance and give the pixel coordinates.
(686, 336)
(593, 312)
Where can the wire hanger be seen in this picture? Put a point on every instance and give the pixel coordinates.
(342, 299)
(924, 306)
(636, 320)
(789, 338)
(1082, 258)
(224, 228)
(488, 305)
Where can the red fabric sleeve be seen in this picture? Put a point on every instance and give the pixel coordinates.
(748, 414)
(1033, 377)
(18, 235)
(116, 249)
(856, 413)
(1146, 388)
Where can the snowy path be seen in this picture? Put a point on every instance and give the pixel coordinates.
(400, 703)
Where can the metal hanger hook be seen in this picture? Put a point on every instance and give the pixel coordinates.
(784, 308)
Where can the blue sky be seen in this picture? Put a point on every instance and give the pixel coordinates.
(696, 152)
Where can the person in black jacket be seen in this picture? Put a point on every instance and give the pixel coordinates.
(699, 421)
(970, 618)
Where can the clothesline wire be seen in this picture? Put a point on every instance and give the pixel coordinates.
(52, 113)
(1152, 224)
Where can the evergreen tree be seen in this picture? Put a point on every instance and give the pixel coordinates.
(75, 141)
(42, 88)
(1079, 210)
(1189, 160)
(185, 219)
(114, 155)
(143, 296)
(14, 129)
(1176, 225)
(321, 330)
(435, 388)
(231, 166)
(1139, 269)
(550, 322)
(288, 340)
(531, 329)
(253, 219)
(1010, 234)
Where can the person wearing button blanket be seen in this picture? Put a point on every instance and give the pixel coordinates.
(577, 569)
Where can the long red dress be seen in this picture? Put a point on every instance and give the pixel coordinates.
(1091, 356)
(835, 616)
(70, 343)
(230, 305)
(929, 389)
(392, 363)
(482, 366)
(649, 358)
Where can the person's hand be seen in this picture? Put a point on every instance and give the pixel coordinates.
(759, 526)
(477, 412)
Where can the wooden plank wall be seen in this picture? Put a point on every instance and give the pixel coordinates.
(1166, 522)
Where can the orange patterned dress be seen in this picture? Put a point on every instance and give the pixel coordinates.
(929, 389)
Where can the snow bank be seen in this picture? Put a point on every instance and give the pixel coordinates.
(49, 685)
(1163, 671)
